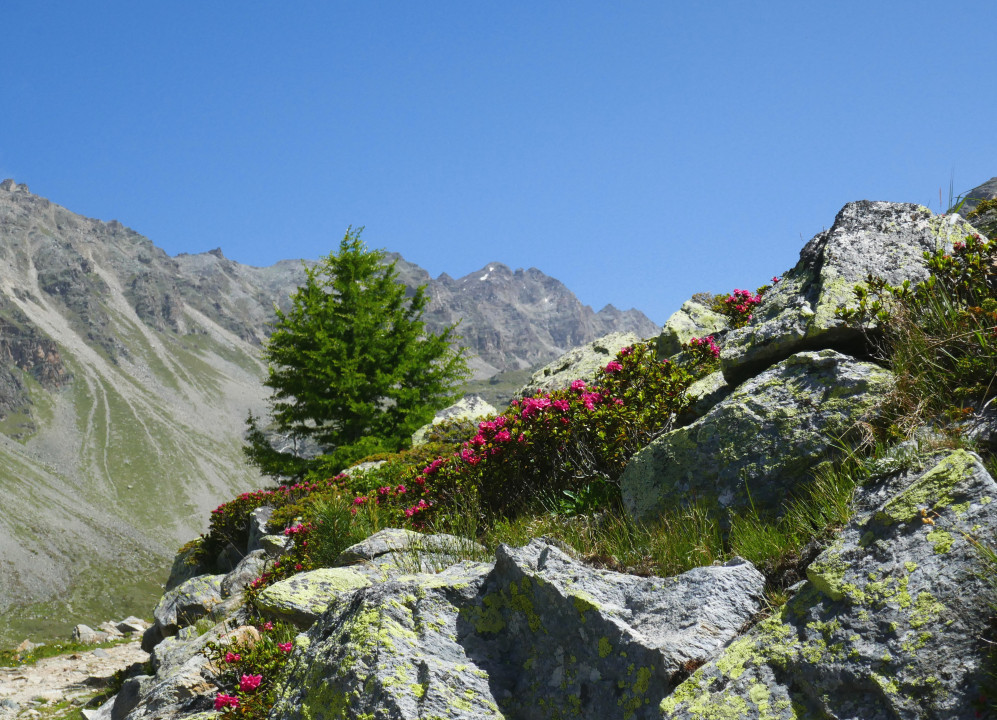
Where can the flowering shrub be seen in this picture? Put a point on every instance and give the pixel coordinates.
(739, 305)
(552, 442)
(230, 521)
(248, 669)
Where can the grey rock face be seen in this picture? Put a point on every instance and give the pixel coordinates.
(986, 191)
(581, 363)
(761, 439)
(399, 540)
(184, 567)
(890, 624)
(515, 320)
(881, 238)
(248, 569)
(187, 603)
(534, 636)
(986, 220)
(693, 319)
(471, 407)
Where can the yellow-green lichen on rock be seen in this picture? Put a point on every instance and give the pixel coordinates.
(764, 437)
(303, 597)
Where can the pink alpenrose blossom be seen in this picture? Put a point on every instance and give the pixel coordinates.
(250, 682)
(223, 701)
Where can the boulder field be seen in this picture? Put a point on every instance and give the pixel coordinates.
(891, 621)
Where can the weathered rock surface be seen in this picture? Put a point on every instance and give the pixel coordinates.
(471, 408)
(693, 319)
(581, 363)
(798, 313)
(399, 540)
(761, 439)
(533, 636)
(890, 625)
(187, 603)
(248, 569)
(301, 598)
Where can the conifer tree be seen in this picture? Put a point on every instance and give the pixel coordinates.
(351, 364)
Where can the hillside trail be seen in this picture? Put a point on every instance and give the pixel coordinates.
(28, 690)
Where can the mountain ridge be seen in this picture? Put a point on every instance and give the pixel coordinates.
(125, 379)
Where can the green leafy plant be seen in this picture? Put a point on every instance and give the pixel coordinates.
(939, 336)
(739, 306)
(250, 667)
(551, 442)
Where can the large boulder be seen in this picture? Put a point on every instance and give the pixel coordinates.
(535, 635)
(187, 603)
(760, 441)
(890, 625)
(691, 320)
(798, 313)
(581, 363)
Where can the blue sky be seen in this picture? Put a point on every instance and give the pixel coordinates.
(637, 151)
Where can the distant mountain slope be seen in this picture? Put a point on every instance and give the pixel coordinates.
(125, 379)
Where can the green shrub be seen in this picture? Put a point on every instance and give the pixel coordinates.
(552, 442)
(230, 521)
(250, 668)
(939, 337)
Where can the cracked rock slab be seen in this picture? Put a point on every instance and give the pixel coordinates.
(534, 635)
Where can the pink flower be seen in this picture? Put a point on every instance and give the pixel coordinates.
(433, 466)
(578, 385)
(250, 682)
(613, 366)
(626, 351)
(223, 701)
(360, 500)
(561, 405)
(298, 567)
(268, 625)
(503, 436)
(231, 657)
(285, 647)
(775, 280)
(400, 489)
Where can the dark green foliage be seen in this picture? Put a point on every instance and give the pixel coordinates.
(351, 365)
